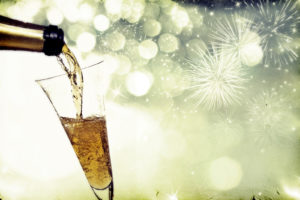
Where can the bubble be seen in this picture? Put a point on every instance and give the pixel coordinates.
(152, 28)
(115, 41)
(54, 16)
(101, 23)
(138, 83)
(225, 173)
(168, 43)
(251, 54)
(86, 42)
(148, 49)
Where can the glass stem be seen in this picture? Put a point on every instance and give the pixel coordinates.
(111, 191)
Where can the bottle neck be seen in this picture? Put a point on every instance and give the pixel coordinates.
(17, 35)
(53, 40)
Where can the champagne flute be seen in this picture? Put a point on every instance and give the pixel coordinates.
(87, 135)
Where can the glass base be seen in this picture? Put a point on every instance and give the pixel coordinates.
(110, 188)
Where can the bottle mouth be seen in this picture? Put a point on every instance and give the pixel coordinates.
(53, 40)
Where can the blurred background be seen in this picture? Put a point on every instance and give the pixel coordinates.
(202, 100)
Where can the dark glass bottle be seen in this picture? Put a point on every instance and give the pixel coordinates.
(17, 35)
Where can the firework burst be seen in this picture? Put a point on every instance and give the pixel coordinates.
(277, 23)
(216, 79)
(270, 118)
(232, 34)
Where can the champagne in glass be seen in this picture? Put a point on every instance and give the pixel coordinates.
(89, 140)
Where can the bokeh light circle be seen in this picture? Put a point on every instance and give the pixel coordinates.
(148, 49)
(54, 16)
(225, 173)
(101, 23)
(179, 16)
(86, 42)
(115, 41)
(125, 65)
(86, 12)
(138, 83)
(113, 6)
(168, 43)
(152, 28)
(251, 54)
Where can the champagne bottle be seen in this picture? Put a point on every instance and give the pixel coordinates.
(17, 35)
